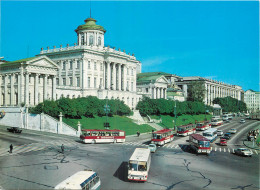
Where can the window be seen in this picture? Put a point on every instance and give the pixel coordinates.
(91, 40)
(95, 82)
(78, 62)
(99, 41)
(82, 39)
(101, 67)
(127, 86)
(132, 86)
(64, 65)
(29, 98)
(88, 64)
(95, 66)
(132, 72)
(88, 82)
(71, 81)
(77, 81)
(146, 90)
(71, 64)
(57, 81)
(100, 84)
(64, 81)
(127, 71)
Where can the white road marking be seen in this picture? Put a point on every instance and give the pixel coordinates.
(224, 150)
(219, 149)
(228, 150)
(215, 149)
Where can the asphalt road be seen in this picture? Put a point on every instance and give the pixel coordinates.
(37, 163)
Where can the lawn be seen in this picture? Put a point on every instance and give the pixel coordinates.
(116, 122)
(167, 121)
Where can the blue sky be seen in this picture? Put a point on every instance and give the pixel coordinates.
(218, 40)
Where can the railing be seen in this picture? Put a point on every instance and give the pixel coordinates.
(97, 48)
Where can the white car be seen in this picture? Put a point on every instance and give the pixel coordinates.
(232, 131)
(242, 121)
(244, 152)
(152, 147)
(219, 132)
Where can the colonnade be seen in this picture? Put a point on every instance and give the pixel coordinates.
(158, 92)
(23, 87)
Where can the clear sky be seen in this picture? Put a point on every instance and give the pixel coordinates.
(218, 40)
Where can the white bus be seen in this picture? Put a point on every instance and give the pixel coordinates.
(139, 164)
(210, 134)
(85, 180)
(216, 122)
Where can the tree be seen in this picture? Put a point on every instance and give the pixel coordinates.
(196, 91)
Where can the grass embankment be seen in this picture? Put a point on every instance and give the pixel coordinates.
(167, 121)
(116, 122)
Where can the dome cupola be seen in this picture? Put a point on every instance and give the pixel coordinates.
(90, 33)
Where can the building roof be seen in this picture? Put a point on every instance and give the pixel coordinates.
(90, 24)
(153, 74)
(150, 76)
(17, 61)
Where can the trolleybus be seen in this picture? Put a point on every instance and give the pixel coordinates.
(161, 137)
(102, 136)
(186, 130)
(202, 126)
(139, 165)
(210, 134)
(199, 143)
(85, 180)
(216, 122)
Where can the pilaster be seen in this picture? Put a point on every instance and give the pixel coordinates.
(12, 89)
(54, 88)
(36, 89)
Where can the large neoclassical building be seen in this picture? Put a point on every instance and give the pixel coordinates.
(83, 69)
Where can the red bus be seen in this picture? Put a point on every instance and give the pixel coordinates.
(186, 130)
(203, 125)
(199, 143)
(161, 137)
(102, 136)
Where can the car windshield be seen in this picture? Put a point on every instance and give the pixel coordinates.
(152, 145)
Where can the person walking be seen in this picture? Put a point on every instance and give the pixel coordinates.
(11, 148)
(62, 149)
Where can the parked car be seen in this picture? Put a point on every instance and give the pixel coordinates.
(243, 152)
(232, 131)
(242, 121)
(14, 130)
(223, 142)
(226, 136)
(152, 147)
(219, 132)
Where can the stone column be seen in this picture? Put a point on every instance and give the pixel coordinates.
(108, 75)
(22, 95)
(114, 76)
(45, 88)
(12, 90)
(26, 89)
(124, 78)
(36, 89)
(165, 93)
(54, 88)
(119, 77)
(19, 88)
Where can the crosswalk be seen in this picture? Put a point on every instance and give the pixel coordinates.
(25, 148)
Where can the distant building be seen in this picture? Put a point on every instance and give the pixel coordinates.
(252, 100)
(152, 85)
(214, 89)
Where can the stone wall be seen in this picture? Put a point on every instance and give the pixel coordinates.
(18, 117)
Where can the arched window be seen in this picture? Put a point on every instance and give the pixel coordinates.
(99, 41)
(91, 40)
(82, 39)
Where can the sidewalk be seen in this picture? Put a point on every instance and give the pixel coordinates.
(250, 144)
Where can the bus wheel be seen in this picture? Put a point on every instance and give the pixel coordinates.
(93, 142)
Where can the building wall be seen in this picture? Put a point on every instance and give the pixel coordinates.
(252, 100)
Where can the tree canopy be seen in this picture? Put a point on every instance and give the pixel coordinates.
(230, 104)
(196, 91)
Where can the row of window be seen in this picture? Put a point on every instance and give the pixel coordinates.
(40, 80)
(91, 40)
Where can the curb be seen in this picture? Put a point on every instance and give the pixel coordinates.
(255, 148)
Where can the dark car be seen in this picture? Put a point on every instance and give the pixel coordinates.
(226, 136)
(14, 130)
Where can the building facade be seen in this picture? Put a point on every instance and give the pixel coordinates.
(84, 69)
(252, 100)
(152, 85)
(214, 89)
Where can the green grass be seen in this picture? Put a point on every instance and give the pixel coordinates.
(167, 121)
(116, 122)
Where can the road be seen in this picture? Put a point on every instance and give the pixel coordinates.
(36, 162)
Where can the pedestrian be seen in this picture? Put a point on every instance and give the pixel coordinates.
(11, 148)
(62, 148)
(138, 133)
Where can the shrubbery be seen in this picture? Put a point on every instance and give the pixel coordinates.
(230, 104)
(166, 107)
(75, 108)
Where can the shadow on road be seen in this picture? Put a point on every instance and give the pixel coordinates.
(121, 172)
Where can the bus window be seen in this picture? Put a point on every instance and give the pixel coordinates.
(108, 133)
(115, 133)
(133, 166)
(94, 133)
(142, 166)
(121, 134)
(154, 135)
(159, 136)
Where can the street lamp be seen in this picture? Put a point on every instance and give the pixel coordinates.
(175, 116)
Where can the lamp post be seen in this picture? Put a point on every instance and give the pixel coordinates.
(175, 116)
(106, 109)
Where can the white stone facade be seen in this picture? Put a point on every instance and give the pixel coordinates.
(252, 100)
(214, 89)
